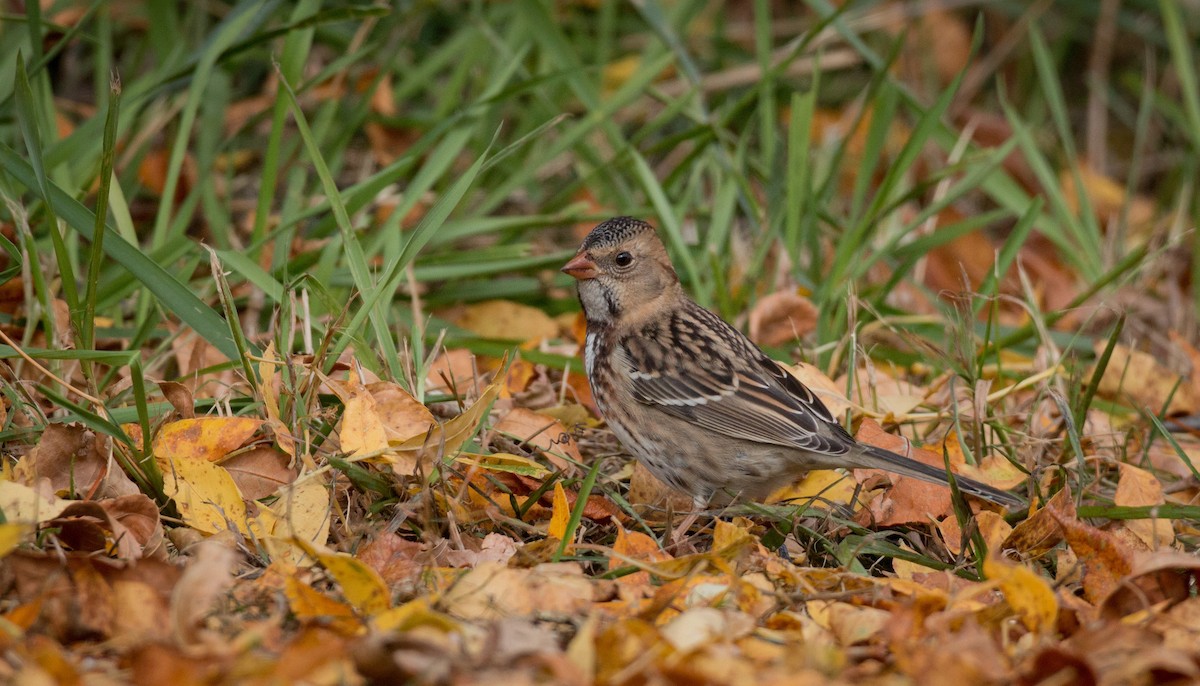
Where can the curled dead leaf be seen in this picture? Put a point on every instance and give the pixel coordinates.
(782, 317)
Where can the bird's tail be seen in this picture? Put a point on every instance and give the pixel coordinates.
(878, 458)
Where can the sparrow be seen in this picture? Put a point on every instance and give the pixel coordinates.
(706, 410)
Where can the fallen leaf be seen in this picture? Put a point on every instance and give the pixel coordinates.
(1140, 379)
(310, 604)
(204, 438)
(782, 317)
(360, 583)
(259, 471)
(631, 548)
(1041, 530)
(543, 433)
(362, 431)
(561, 514)
(1137, 488)
(21, 503)
(1105, 558)
(492, 591)
(402, 415)
(1028, 594)
(502, 318)
(203, 582)
(205, 494)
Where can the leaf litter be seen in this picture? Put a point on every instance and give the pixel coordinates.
(482, 526)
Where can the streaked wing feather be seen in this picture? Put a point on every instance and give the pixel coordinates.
(758, 401)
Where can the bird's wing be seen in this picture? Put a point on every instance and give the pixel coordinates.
(721, 382)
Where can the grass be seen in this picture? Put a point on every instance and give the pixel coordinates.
(260, 170)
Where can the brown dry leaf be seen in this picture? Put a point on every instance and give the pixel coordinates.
(969, 256)
(544, 433)
(651, 496)
(87, 527)
(454, 371)
(403, 416)
(1137, 377)
(822, 487)
(782, 317)
(580, 390)
(1137, 488)
(991, 525)
(698, 627)
(492, 591)
(180, 397)
(204, 438)
(259, 471)
(203, 582)
(1105, 557)
(301, 510)
(508, 320)
(1040, 531)
(938, 45)
(443, 441)
(72, 460)
(1164, 576)
(317, 655)
(152, 173)
(1180, 625)
(139, 515)
(850, 624)
(397, 559)
(154, 664)
(520, 373)
(909, 501)
(75, 591)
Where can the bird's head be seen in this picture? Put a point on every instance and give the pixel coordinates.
(621, 267)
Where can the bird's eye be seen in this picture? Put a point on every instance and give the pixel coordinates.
(624, 259)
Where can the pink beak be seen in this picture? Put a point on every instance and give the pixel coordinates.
(581, 267)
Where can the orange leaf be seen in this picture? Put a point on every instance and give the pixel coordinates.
(561, 514)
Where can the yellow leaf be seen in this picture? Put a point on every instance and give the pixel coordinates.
(1026, 593)
(361, 584)
(824, 487)
(308, 603)
(617, 72)
(266, 371)
(362, 429)
(11, 535)
(561, 514)
(731, 536)
(302, 510)
(505, 462)
(444, 441)
(503, 318)
(206, 495)
(203, 438)
(413, 614)
(21, 503)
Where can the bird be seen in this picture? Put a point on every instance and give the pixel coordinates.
(692, 398)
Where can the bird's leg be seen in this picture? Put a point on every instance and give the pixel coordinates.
(679, 533)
